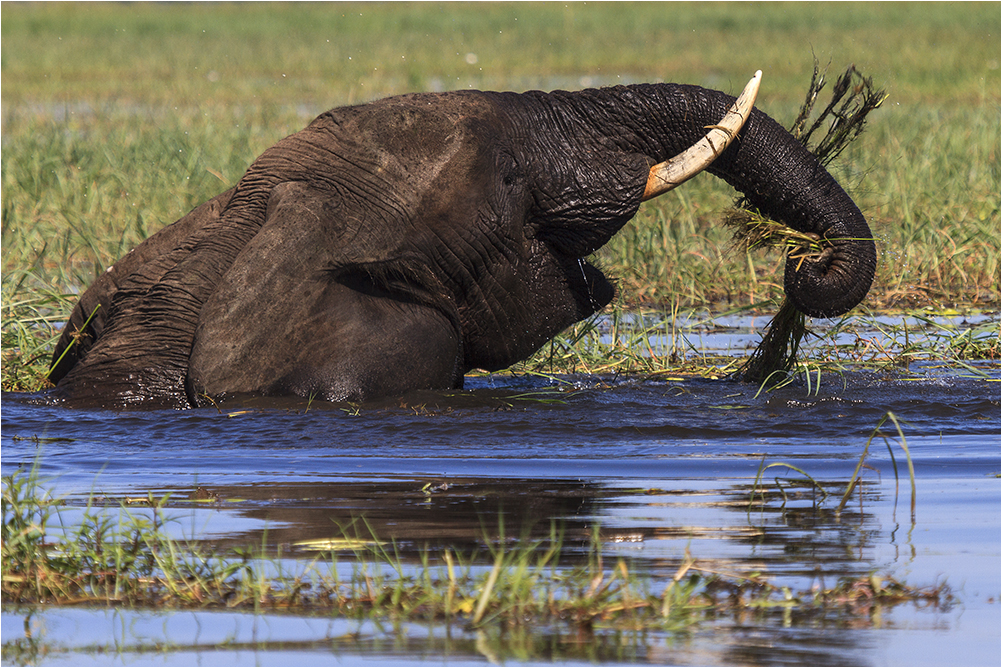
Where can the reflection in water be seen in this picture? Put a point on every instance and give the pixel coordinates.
(459, 512)
(214, 637)
(129, 637)
(787, 530)
(660, 466)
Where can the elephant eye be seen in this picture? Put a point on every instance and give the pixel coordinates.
(508, 168)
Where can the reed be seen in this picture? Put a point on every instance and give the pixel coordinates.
(128, 558)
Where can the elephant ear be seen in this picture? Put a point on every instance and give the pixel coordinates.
(570, 212)
(294, 314)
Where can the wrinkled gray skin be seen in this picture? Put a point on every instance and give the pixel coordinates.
(396, 245)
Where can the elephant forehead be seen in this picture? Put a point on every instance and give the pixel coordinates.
(412, 130)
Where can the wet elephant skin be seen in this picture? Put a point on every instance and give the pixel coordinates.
(396, 245)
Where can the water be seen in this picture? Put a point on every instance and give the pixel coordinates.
(660, 466)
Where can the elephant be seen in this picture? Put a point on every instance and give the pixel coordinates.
(399, 244)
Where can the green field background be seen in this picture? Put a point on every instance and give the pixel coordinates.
(119, 118)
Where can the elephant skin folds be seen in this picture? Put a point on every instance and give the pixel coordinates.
(399, 244)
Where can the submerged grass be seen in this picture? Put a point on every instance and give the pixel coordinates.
(854, 481)
(862, 459)
(667, 343)
(129, 559)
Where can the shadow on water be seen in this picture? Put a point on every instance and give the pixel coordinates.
(659, 466)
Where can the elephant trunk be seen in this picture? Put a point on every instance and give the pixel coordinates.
(784, 181)
(833, 282)
(775, 172)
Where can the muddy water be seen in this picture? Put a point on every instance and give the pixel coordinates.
(660, 466)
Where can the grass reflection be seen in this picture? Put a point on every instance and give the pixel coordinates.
(128, 559)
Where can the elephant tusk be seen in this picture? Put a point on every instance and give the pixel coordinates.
(673, 173)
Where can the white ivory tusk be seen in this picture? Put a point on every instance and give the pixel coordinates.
(676, 171)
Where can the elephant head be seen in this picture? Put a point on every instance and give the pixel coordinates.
(396, 245)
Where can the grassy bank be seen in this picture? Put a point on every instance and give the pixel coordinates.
(118, 119)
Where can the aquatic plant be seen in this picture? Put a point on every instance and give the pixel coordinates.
(131, 560)
(758, 489)
(664, 344)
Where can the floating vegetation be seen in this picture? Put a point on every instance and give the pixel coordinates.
(667, 345)
(927, 336)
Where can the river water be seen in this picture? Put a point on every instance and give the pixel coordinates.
(660, 466)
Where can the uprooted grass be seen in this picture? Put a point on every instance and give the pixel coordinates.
(853, 98)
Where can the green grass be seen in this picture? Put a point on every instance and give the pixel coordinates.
(118, 119)
(333, 54)
(125, 556)
(665, 343)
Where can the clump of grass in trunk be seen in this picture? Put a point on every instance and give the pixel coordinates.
(853, 98)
